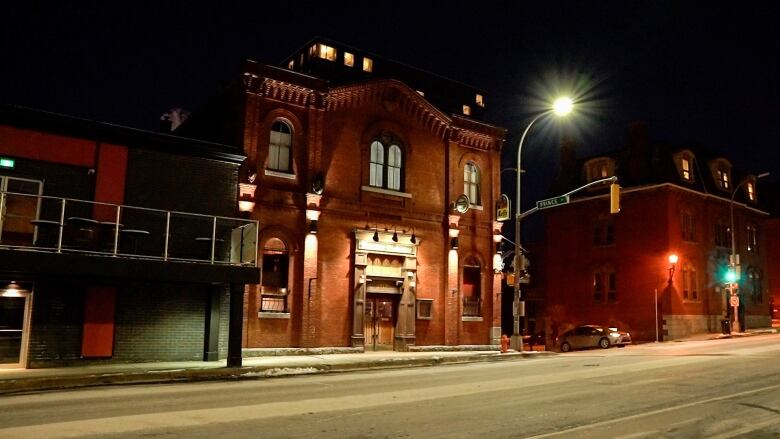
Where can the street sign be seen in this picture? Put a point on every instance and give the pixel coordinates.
(552, 202)
(734, 301)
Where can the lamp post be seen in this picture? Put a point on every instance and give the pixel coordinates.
(733, 260)
(673, 258)
(561, 107)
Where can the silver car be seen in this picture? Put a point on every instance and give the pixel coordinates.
(592, 336)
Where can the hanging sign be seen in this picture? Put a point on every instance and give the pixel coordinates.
(502, 208)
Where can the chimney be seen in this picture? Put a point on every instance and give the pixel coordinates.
(638, 150)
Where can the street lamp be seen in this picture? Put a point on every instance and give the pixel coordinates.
(734, 259)
(561, 107)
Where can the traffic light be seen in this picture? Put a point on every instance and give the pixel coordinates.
(614, 198)
(731, 276)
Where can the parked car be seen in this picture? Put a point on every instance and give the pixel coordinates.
(592, 336)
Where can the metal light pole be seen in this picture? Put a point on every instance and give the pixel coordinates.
(562, 106)
(733, 263)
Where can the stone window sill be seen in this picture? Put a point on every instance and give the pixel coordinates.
(386, 191)
(280, 174)
(273, 315)
(470, 319)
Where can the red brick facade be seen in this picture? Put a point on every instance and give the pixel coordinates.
(332, 273)
(607, 269)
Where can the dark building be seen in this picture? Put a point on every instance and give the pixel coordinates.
(117, 245)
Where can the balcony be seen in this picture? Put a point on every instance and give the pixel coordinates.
(41, 224)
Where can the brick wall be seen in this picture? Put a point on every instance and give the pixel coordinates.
(57, 320)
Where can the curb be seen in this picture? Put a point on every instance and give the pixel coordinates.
(31, 385)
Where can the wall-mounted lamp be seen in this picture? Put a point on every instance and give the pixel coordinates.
(454, 243)
(395, 234)
(413, 239)
(376, 234)
(672, 266)
(313, 227)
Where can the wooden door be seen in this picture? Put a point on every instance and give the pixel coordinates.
(379, 322)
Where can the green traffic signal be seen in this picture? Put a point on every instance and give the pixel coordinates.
(731, 276)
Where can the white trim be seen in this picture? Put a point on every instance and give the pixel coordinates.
(671, 185)
(476, 207)
(273, 315)
(386, 191)
(279, 174)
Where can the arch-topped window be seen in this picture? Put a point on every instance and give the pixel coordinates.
(721, 172)
(386, 164)
(471, 183)
(274, 277)
(684, 160)
(280, 147)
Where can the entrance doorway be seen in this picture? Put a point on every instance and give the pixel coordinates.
(379, 320)
(13, 325)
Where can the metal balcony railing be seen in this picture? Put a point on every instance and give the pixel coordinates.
(67, 225)
(471, 306)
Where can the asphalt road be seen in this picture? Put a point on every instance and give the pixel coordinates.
(712, 389)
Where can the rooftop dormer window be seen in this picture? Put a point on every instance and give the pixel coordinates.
(750, 189)
(368, 65)
(480, 100)
(684, 162)
(349, 59)
(599, 168)
(467, 110)
(326, 52)
(721, 172)
(291, 64)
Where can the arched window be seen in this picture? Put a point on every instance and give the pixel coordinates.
(279, 147)
(471, 183)
(394, 168)
(274, 277)
(386, 165)
(377, 164)
(472, 290)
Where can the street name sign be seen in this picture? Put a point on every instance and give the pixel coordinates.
(552, 202)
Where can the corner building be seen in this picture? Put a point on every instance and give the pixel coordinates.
(353, 174)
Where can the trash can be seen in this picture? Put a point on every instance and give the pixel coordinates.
(725, 326)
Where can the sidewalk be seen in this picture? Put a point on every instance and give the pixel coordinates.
(32, 380)
(718, 336)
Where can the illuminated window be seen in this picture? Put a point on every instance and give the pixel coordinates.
(313, 50)
(599, 168)
(752, 239)
(327, 52)
(21, 206)
(471, 183)
(472, 291)
(751, 191)
(723, 178)
(685, 164)
(279, 147)
(349, 59)
(480, 102)
(467, 110)
(690, 283)
(687, 227)
(386, 164)
(274, 277)
(368, 65)
(291, 64)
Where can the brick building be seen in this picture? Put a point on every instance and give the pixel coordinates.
(105, 244)
(354, 165)
(609, 269)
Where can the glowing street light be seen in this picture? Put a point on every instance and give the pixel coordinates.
(561, 107)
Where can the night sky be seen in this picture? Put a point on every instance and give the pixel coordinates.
(693, 71)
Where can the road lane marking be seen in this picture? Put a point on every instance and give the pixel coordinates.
(655, 412)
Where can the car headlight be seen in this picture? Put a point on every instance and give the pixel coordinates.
(615, 334)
